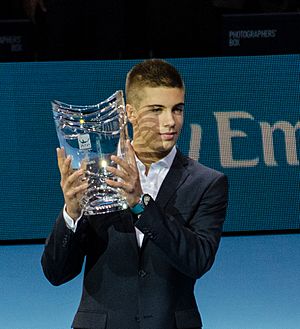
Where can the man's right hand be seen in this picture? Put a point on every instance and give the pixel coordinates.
(72, 184)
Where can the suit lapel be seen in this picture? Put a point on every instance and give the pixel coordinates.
(174, 179)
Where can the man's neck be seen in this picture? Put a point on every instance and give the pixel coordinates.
(148, 158)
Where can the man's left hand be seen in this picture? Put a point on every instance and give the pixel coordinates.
(128, 172)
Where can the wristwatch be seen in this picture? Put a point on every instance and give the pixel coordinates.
(140, 206)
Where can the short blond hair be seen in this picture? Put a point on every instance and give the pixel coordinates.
(150, 73)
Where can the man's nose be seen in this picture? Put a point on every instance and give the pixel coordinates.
(168, 119)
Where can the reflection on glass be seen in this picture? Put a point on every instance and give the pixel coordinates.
(90, 135)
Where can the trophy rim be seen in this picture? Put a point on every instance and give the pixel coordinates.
(59, 106)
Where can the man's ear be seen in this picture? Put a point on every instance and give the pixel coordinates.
(131, 113)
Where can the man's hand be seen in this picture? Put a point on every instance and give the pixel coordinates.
(30, 7)
(129, 174)
(72, 184)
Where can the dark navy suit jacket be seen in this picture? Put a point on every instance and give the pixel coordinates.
(152, 287)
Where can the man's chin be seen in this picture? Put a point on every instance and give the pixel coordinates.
(166, 147)
(155, 149)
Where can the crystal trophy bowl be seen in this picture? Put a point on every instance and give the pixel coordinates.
(90, 135)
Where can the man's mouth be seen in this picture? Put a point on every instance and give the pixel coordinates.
(168, 135)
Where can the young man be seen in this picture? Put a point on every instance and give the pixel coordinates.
(142, 263)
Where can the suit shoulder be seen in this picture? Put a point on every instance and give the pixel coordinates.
(198, 169)
(194, 165)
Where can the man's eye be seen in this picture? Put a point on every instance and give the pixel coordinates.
(156, 109)
(178, 110)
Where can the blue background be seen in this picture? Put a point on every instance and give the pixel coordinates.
(266, 87)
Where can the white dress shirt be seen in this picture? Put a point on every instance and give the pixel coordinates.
(150, 184)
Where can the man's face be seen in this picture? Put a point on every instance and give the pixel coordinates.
(157, 120)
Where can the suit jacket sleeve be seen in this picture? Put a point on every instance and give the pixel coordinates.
(63, 255)
(189, 237)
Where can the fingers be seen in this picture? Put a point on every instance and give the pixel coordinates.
(130, 155)
(73, 183)
(119, 173)
(73, 187)
(75, 178)
(83, 164)
(61, 156)
(128, 164)
(64, 164)
(127, 171)
(115, 184)
(71, 180)
(75, 191)
(125, 168)
(128, 188)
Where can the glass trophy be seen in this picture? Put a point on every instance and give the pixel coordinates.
(90, 135)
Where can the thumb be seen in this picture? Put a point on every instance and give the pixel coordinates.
(130, 154)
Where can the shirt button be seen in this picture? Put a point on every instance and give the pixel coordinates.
(142, 273)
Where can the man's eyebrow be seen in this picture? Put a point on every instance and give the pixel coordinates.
(153, 105)
(179, 104)
(162, 106)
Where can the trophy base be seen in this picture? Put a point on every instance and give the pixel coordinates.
(104, 209)
(100, 207)
(101, 198)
